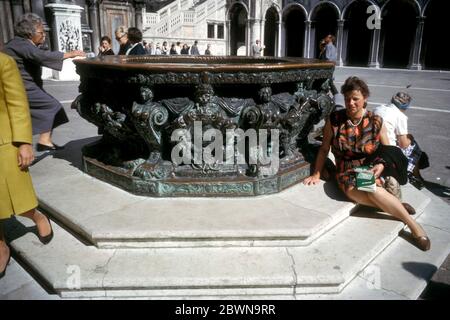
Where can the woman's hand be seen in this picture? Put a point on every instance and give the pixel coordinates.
(377, 170)
(25, 156)
(312, 179)
(73, 54)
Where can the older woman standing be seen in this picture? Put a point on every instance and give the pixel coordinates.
(16, 154)
(46, 112)
(354, 135)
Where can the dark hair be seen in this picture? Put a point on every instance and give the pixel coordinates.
(355, 83)
(105, 38)
(25, 26)
(134, 35)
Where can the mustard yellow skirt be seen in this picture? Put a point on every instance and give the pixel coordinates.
(16, 188)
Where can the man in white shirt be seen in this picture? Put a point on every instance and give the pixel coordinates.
(396, 123)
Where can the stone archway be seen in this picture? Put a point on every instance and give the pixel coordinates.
(398, 29)
(324, 22)
(294, 22)
(270, 32)
(434, 55)
(358, 34)
(238, 28)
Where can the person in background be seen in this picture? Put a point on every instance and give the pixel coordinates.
(356, 137)
(330, 48)
(151, 48)
(121, 34)
(397, 130)
(173, 50)
(164, 48)
(194, 49)
(105, 47)
(257, 49)
(17, 196)
(146, 47)
(322, 46)
(208, 50)
(178, 47)
(46, 112)
(185, 49)
(135, 38)
(158, 49)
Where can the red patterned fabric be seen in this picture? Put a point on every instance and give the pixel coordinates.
(352, 144)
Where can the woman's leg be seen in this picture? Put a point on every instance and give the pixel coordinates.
(360, 197)
(41, 221)
(389, 204)
(45, 138)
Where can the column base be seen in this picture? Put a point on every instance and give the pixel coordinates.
(415, 66)
(375, 65)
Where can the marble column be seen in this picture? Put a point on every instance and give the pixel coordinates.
(26, 6)
(249, 36)
(340, 41)
(278, 46)
(228, 37)
(138, 6)
(414, 61)
(262, 26)
(307, 43)
(283, 40)
(37, 7)
(94, 24)
(17, 9)
(6, 23)
(375, 49)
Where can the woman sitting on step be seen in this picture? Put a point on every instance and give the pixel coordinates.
(356, 136)
(16, 154)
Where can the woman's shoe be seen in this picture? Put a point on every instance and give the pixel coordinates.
(44, 147)
(423, 242)
(48, 238)
(2, 274)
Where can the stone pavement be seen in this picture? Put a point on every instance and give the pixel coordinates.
(393, 269)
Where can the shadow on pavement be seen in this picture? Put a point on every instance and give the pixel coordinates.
(420, 270)
(72, 151)
(14, 229)
(331, 190)
(438, 190)
(439, 286)
(362, 211)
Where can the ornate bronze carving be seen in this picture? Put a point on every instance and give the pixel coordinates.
(204, 111)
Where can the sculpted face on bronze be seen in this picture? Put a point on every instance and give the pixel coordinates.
(242, 127)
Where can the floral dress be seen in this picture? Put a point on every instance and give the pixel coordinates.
(351, 145)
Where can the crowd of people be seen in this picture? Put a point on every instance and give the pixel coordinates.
(131, 43)
(356, 136)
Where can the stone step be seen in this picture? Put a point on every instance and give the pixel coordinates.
(109, 217)
(400, 271)
(327, 265)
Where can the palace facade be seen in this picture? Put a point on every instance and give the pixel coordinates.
(369, 33)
